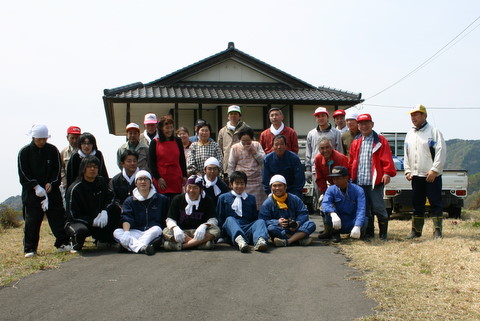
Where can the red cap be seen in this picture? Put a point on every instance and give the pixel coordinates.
(364, 117)
(339, 112)
(74, 130)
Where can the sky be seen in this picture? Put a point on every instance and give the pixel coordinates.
(57, 57)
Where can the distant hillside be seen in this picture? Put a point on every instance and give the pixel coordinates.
(14, 202)
(463, 154)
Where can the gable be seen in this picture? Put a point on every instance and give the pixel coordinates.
(230, 71)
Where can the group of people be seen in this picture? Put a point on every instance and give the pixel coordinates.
(178, 191)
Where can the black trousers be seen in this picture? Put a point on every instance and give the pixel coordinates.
(421, 190)
(79, 231)
(33, 217)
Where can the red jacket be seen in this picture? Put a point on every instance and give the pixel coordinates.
(382, 160)
(323, 169)
(266, 140)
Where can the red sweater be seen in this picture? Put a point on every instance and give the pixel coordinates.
(323, 169)
(266, 140)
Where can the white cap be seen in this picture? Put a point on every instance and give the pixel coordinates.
(211, 161)
(39, 131)
(351, 114)
(278, 178)
(234, 108)
(133, 126)
(321, 110)
(143, 173)
(150, 119)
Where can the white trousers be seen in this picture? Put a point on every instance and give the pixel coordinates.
(138, 238)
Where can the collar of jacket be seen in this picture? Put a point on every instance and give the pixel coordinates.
(326, 130)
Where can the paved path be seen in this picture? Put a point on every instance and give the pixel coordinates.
(296, 283)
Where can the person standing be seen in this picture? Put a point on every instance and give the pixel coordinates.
(203, 149)
(352, 132)
(323, 129)
(73, 134)
(339, 119)
(371, 166)
(150, 132)
(425, 158)
(167, 160)
(39, 167)
(133, 143)
(228, 135)
(278, 128)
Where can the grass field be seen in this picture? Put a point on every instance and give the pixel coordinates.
(421, 279)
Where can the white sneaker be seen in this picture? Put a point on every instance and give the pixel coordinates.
(242, 245)
(29, 255)
(261, 245)
(66, 248)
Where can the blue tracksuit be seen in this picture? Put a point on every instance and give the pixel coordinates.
(270, 212)
(349, 206)
(248, 225)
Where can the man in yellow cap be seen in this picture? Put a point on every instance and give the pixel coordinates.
(425, 157)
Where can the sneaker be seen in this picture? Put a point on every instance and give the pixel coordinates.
(172, 246)
(305, 242)
(66, 248)
(209, 245)
(242, 245)
(280, 242)
(29, 254)
(261, 245)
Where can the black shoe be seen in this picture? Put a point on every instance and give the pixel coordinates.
(157, 243)
(324, 236)
(150, 250)
(336, 238)
(413, 235)
(121, 249)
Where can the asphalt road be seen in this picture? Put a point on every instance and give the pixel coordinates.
(297, 283)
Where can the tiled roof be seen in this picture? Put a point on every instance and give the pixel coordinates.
(240, 92)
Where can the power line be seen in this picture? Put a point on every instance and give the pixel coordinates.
(429, 107)
(434, 56)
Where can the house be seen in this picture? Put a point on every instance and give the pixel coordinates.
(206, 88)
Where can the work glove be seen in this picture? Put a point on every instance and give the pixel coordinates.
(355, 233)
(45, 204)
(178, 234)
(40, 191)
(200, 232)
(125, 239)
(336, 222)
(308, 176)
(101, 220)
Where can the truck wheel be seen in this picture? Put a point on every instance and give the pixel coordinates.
(454, 212)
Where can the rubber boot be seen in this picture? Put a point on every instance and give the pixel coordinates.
(383, 227)
(327, 232)
(437, 226)
(370, 232)
(417, 227)
(336, 236)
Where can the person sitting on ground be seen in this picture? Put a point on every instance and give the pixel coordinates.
(143, 217)
(191, 221)
(89, 206)
(214, 186)
(238, 217)
(344, 206)
(286, 216)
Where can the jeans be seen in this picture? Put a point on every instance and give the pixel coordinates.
(250, 232)
(275, 230)
(375, 206)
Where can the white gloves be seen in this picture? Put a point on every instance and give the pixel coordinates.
(125, 239)
(200, 232)
(40, 191)
(355, 233)
(178, 234)
(45, 204)
(101, 220)
(336, 222)
(308, 176)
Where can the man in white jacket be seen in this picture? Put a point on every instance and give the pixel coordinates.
(425, 157)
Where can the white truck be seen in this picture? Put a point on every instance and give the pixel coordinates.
(398, 193)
